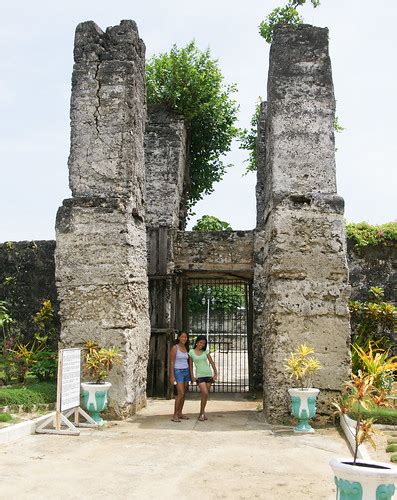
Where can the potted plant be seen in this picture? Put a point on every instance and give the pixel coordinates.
(359, 478)
(98, 361)
(301, 366)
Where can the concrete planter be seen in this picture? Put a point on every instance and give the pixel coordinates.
(95, 398)
(366, 480)
(303, 407)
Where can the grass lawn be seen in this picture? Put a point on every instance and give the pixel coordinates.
(29, 394)
(381, 414)
(5, 417)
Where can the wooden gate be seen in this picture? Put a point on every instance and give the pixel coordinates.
(170, 295)
(165, 305)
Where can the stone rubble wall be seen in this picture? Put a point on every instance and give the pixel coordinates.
(300, 271)
(368, 266)
(373, 265)
(101, 266)
(27, 278)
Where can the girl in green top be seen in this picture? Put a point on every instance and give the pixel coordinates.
(201, 358)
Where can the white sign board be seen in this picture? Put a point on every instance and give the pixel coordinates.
(70, 378)
(68, 398)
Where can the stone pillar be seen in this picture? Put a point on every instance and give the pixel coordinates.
(300, 273)
(167, 168)
(101, 265)
(166, 159)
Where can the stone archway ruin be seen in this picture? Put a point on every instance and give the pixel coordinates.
(111, 290)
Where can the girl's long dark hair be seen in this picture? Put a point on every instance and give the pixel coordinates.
(200, 337)
(176, 341)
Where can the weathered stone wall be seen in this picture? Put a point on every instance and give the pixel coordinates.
(166, 161)
(101, 266)
(27, 277)
(300, 272)
(214, 252)
(373, 265)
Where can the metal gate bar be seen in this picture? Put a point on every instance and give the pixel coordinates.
(218, 308)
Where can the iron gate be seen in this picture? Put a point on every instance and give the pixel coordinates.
(221, 310)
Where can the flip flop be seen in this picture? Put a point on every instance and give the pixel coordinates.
(183, 417)
(201, 418)
(205, 417)
(175, 420)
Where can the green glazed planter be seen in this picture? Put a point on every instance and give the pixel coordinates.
(303, 407)
(95, 398)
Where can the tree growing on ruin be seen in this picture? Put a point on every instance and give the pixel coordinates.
(189, 82)
(248, 138)
(211, 223)
(288, 14)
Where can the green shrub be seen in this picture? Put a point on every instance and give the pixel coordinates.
(46, 323)
(211, 223)
(5, 417)
(28, 395)
(373, 321)
(283, 15)
(45, 366)
(364, 234)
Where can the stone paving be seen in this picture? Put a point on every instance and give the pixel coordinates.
(233, 455)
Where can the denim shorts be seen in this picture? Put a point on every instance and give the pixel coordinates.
(182, 375)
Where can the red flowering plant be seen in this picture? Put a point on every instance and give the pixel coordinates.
(359, 395)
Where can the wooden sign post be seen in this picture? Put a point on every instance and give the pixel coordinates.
(68, 398)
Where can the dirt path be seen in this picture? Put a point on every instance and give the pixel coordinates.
(233, 455)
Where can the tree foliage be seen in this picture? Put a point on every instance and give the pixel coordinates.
(283, 15)
(248, 139)
(211, 223)
(223, 298)
(189, 82)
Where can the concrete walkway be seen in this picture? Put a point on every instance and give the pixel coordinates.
(234, 455)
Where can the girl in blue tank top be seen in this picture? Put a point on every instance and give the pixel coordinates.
(179, 372)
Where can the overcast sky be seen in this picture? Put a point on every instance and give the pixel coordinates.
(36, 66)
